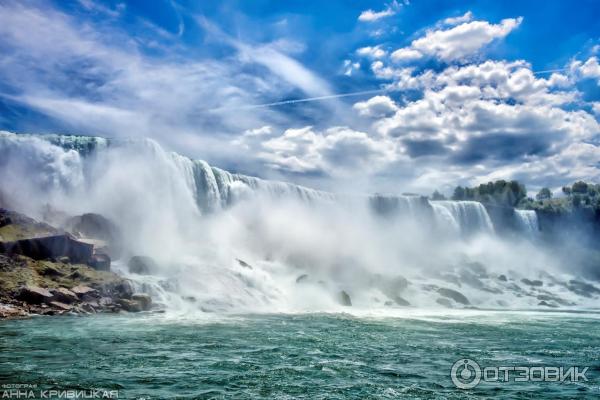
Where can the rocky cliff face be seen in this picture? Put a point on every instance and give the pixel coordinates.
(46, 271)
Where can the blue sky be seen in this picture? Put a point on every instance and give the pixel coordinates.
(394, 96)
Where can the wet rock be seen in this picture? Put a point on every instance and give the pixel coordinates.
(547, 304)
(90, 307)
(123, 289)
(142, 265)
(64, 295)
(444, 302)
(401, 301)
(50, 247)
(344, 298)
(144, 300)
(105, 301)
(96, 226)
(243, 263)
(502, 278)
(100, 262)
(64, 259)
(34, 295)
(302, 278)
(11, 311)
(130, 305)
(85, 292)
(583, 288)
(555, 299)
(535, 283)
(61, 306)
(454, 295)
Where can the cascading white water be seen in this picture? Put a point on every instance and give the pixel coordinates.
(300, 247)
(470, 216)
(527, 221)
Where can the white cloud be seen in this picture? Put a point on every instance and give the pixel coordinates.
(466, 17)
(336, 151)
(372, 52)
(457, 43)
(376, 107)
(406, 54)
(588, 70)
(371, 16)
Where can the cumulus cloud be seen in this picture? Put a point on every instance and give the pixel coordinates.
(376, 107)
(336, 151)
(458, 42)
(482, 121)
(372, 52)
(586, 70)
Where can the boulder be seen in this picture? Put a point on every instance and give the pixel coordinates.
(344, 298)
(64, 295)
(144, 300)
(95, 226)
(401, 301)
(142, 265)
(61, 306)
(10, 311)
(444, 302)
(34, 295)
(85, 292)
(50, 247)
(454, 295)
(535, 283)
(130, 305)
(243, 263)
(100, 262)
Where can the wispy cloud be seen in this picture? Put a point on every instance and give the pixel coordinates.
(371, 16)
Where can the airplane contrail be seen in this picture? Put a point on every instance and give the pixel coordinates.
(307, 99)
(339, 95)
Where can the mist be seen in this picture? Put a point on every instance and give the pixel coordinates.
(230, 243)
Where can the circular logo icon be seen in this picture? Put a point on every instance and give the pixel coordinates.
(465, 374)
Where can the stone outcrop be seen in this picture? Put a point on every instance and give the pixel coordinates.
(50, 247)
(100, 262)
(344, 298)
(95, 226)
(454, 295)
(64, 295)
(142, 265)
(34, 295)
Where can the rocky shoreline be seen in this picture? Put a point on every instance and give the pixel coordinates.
(49, 271)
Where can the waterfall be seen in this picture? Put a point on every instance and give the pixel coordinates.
(469, 216)
(212, 189)
(527, 221)
(396, 205)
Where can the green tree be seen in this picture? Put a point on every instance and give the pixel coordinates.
(544, 194)
(580, 187)
(437, 196)
(459, 193)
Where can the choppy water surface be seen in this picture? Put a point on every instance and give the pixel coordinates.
(298, 356)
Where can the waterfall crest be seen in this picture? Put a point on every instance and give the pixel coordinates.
(527, 221)
(470, 216)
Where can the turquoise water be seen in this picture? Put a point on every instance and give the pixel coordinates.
(309, 356)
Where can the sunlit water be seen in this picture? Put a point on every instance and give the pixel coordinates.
(298, 356)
